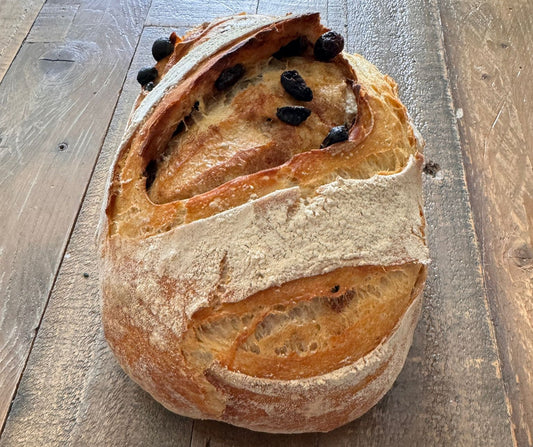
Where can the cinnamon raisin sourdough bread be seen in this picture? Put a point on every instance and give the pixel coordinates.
(262, 241)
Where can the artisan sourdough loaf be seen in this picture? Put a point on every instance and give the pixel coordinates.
(262, 240)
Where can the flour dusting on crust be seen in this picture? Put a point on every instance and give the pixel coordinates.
(279, 238)
(154, 285)
(236, 27)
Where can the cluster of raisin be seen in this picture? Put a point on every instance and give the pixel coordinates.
(161, 48)
(328, 46)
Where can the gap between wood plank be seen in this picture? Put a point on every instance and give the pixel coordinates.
(3, 74)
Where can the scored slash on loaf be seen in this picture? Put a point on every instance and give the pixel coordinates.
(259, 267)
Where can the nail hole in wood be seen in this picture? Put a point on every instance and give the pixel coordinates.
(431, 168)
(522, 255)
(62, 146)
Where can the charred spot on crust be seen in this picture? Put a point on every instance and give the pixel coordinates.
(337, 304)
(335, 288)
(150, 173)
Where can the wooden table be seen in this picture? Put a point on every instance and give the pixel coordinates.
(67, 71)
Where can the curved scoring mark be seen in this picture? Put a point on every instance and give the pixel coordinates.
(301, 328)
(237, 133)
(240, 25)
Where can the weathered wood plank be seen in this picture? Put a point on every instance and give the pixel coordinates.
(217, 434)
(53, 22)
(60, 96)
(489, 48)
(73, 391)
(332, 14)
(195, 12)
(16, 19)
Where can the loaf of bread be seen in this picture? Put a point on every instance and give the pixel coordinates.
(262, 241)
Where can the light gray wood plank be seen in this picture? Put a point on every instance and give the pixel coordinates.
(60, 97)
(195, 12)
(16, 19)
(332, 13)
(489, 46)
(73, 391)
(53, 22)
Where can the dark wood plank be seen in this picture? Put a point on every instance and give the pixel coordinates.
(16, 19)
(60, 96)
(73, 391)
(489, 47)
(217, 434)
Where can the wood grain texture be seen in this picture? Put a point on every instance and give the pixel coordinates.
(489, 46)
(60, 96)
(450, 392)
(73, 391)
(195, 12)
(16, 19)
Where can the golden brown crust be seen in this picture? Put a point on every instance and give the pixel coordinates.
(328, 328)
